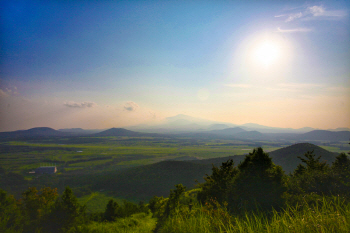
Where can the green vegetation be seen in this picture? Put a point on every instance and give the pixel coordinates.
(96, 201)
(254, 196)
(110, 153)
(46, 211)
(325, 216)
(138, 223)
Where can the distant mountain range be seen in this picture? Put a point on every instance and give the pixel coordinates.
(81, 131)
(34, 132)
(124, 132)
(228, 133)
(186, 124)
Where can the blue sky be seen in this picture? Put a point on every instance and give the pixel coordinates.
(104, 64)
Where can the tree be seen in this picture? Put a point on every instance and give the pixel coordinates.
(10, 214)
(37, 204)
(156, 205)
(217, 185)
(311, 163)
(316, 177)
(341, 168)
(65, 213)
(259, 183)
(171, 204)
(111, 210)
(341, 164)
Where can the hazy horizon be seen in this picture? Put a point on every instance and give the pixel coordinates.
(98, 65)
(200, 121)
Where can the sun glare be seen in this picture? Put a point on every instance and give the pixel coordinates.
(269, 52)
(266, 53)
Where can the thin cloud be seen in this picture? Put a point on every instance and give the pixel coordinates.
(292, 17)
(300, 85)
(315, 12)
(72, 104)
(3, 94)
(8, 91)
(130, 106)
(321, 11)
(238, 85)
(294, 30)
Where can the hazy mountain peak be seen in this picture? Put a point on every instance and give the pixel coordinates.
(185, 117)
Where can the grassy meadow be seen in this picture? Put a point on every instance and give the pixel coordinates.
(97, 154)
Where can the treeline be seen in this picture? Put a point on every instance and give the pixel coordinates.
(45, 211)
(257, 185)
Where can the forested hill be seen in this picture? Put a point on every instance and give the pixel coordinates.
(287, 157)
(325, 135)
(157, 179)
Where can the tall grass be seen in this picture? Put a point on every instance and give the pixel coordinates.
(326, 216)
(138, 223)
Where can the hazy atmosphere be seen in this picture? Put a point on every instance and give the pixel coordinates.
(103, 64)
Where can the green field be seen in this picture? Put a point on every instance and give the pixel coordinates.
(81, 161)
(112, 152)
(74, 155)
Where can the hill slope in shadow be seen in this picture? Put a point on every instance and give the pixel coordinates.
(288, 159)
(157, 179)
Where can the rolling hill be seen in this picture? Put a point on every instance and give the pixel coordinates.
(228, 131)
(325, 135)
(124, 132)
(117, 132)
(287, 157)
(157, 179)
(33, 132)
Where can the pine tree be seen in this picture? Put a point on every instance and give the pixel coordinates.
(66, 212)
(217, 185)
(111, 210)
(259, 183)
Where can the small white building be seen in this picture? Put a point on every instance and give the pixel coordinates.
(46, 170)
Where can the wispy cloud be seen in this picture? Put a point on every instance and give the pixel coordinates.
(321, 11)
(3, 94)
(300, 85)
(296, 87)
(314, 12)
(130, 106)
(277, 16)
(72, 104)
(294, 16)
(238, 85)
(293, 30)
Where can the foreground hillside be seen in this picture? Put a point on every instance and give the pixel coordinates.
(255, 196)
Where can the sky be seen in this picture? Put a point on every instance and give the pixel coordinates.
(103, 64)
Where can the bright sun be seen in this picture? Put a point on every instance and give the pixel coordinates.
(266, 53)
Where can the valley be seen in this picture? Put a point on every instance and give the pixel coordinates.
(136, 166)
